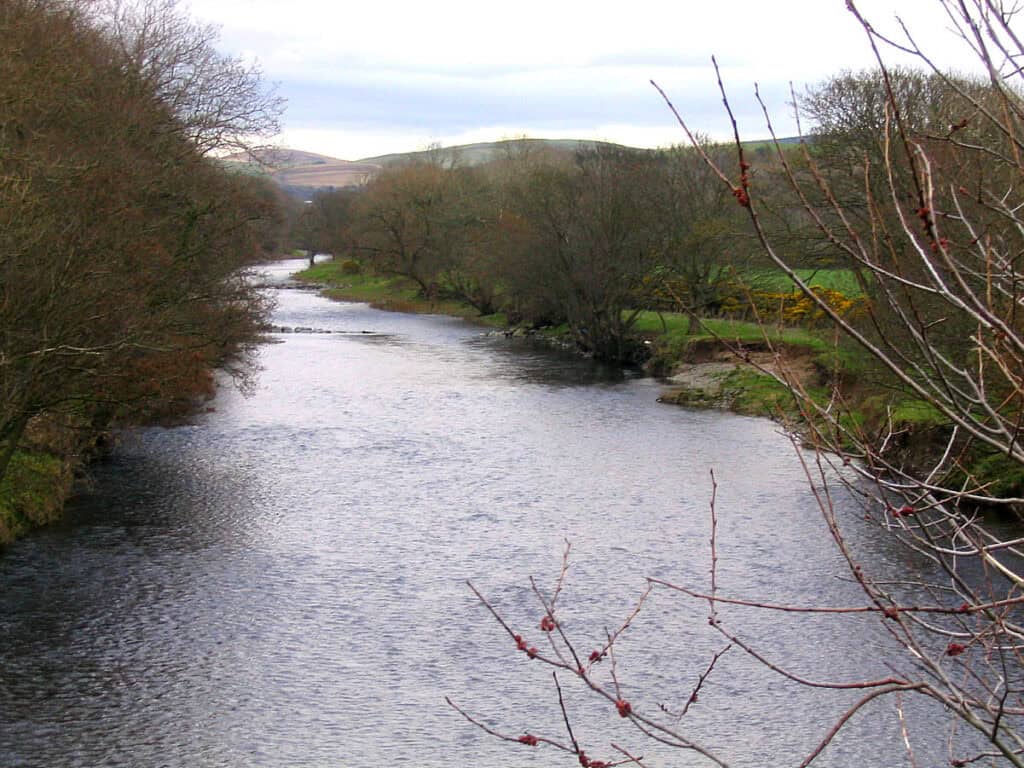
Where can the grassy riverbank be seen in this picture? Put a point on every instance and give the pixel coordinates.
(679, 344)
(394, 294)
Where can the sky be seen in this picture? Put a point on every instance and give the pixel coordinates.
(380, 76)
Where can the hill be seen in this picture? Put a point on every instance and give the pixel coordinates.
(484, 152)
(303, 172)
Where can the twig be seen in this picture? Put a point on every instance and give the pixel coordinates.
(565, 715)
(497, 734)
(903, 729)
(713, 613)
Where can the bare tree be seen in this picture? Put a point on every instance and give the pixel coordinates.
(404, 222)
(704, 241)
(220, 103)
(590, 244)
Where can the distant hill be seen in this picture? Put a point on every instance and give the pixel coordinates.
(484, 152)
(336, 173)
(302, 173)
(277, 158)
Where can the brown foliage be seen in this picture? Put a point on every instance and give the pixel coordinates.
(121, 243)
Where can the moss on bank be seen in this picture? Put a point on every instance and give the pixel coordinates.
(32, 492)
(731, 385)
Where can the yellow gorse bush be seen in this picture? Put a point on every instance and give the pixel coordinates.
(793, 307)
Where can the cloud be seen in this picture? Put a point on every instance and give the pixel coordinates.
(651, 59)
(409, 72)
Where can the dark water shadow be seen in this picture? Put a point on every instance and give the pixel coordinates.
(538, 361)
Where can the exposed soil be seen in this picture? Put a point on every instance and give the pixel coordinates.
(699, 380)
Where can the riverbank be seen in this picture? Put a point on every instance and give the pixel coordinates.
(392, 294)
(723, 364)
(715, 374)
(32, 493)
(41, 474)
(730, 365)
(52, 460)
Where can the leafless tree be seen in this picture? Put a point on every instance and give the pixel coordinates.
(220, 103)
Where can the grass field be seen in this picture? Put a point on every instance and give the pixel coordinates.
(389, 292)
(676, 326)
(842, 280)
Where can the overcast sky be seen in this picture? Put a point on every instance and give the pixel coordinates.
(379, 76)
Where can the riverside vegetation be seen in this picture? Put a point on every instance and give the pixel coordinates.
(671, 340)
(747, 356)
(123, 241)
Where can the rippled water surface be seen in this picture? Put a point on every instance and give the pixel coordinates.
(283, 583)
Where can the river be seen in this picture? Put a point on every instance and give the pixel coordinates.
(282, 583)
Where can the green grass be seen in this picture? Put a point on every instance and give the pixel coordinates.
(676, 326)
(32, 492)
(850, 359)
(662, 322)
(561, 329)
(756, 394)
(327, 272)
(842, 280)
(389, 292)
(497, 320)
(917, 412)
(673, 341)
(384, 291)
(1001, 476)
(751, 333)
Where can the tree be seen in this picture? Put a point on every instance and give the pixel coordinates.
(703, 239)
(323, 224)
(938, 237)
(590, 243)
(471, 269)
(121, 240)
(404, 225)
(219, 104)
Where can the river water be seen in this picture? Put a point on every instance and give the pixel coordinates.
(282, 583)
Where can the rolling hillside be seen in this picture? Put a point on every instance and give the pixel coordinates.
(303, 173)
(477, 154)
(300, 171)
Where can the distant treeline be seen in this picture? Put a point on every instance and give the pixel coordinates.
(588, 237)
(594, 236)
